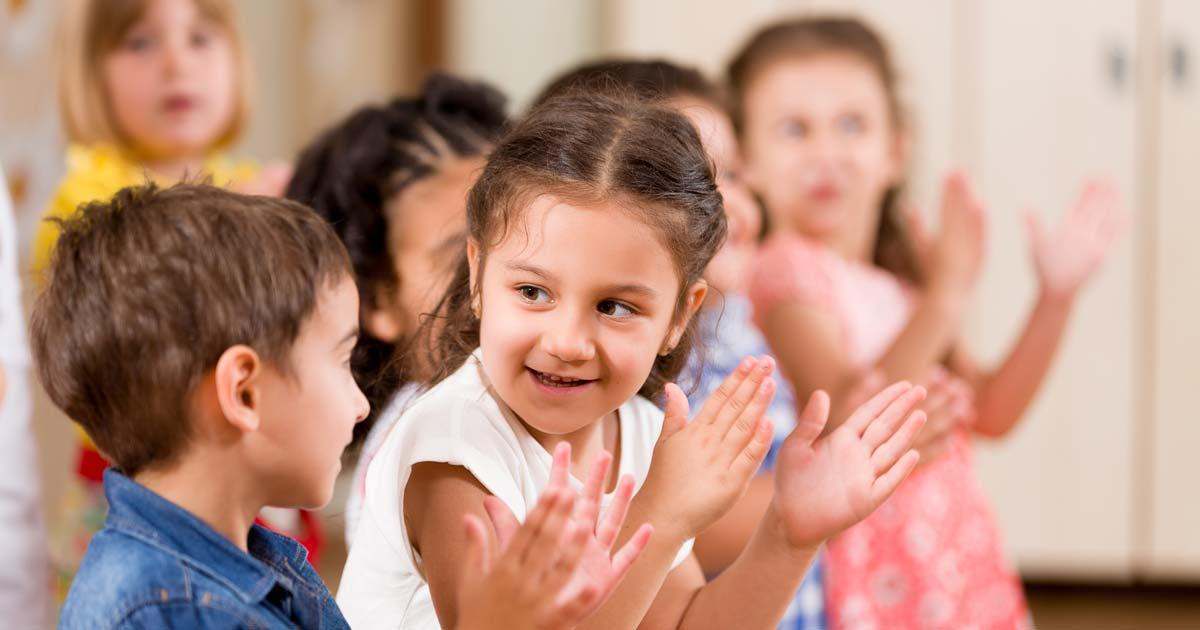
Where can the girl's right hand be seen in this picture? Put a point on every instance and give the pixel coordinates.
(955, 256)
(557, 567)
(700, 468)
(948, 406)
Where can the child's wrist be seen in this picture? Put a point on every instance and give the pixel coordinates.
(669, 528)
(775, 531)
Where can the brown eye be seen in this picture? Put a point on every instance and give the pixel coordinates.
(613, 308)
(530, 293)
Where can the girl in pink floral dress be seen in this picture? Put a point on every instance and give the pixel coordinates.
(845, 285)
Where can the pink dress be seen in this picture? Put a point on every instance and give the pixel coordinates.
(931, 557)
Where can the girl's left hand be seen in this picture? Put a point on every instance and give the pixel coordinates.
(823, 486)
(1068, 257)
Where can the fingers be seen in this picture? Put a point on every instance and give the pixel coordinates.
(742, 397)
(553, 502)
(543, 544)
(887, 423)
(614, 518)
(813, 419)
(676, 413)
(887, 483)
(504, 524)
(561, 560)
(869, 410)
(716, 401)
(479, 545)
(898, 443)
(560, 468)
(743, 428)
(588, 509)
(626, 555)
(751, 456)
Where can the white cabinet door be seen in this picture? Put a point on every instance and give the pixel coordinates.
(1174, 453)
(1052, 93)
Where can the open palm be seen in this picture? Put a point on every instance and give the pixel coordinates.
(823, 486)
(1065, 258)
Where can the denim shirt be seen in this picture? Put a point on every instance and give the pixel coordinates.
(154, 565)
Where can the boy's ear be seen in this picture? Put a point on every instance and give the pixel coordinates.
(695, 298)
(239, 394)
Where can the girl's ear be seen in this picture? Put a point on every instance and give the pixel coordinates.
(382, 321)
(239, 395)
(695, 298)
(473, 278)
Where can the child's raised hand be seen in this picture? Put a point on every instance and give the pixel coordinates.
(823, 486)
(949, 404)
(700, 468)
(556, 568)
(1066, 258)
(955, 256)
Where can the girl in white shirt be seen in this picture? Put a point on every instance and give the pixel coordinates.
(588, 232)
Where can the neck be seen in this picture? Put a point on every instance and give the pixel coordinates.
(176, 169)
(586, 445)
(207, 488)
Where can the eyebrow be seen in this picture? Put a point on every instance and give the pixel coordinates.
(639, 289)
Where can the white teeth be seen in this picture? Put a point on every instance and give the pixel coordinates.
(559, 380)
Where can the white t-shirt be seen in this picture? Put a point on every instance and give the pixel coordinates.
(399, 402)
(461, 422)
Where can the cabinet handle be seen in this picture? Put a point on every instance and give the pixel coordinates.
(1179, 62)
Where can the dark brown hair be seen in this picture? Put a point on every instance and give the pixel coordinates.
(651, 79)
(351, 171)
(146, 291)
(806, 37)
(588, 147)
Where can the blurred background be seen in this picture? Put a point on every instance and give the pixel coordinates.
(1097, 490)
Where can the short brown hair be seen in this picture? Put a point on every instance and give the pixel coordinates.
(587, 146)
(90, 30)
(146, 291)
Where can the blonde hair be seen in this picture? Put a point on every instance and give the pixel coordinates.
(91, 29)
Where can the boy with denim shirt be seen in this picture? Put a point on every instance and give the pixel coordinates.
(202, 338)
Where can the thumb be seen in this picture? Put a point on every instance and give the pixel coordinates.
(503, 522)
(676, 412)
(812, 420)
(478, 546)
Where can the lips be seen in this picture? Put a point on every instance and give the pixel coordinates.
(175, 104)
(558, 381)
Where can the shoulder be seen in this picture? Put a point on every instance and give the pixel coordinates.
(119, 575)
(791, 268)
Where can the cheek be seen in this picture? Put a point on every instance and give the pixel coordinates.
(130, 88)
(220, 79)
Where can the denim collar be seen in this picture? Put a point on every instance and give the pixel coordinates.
(273, 561)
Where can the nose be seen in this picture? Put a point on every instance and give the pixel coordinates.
(568, 336)
(362, 407)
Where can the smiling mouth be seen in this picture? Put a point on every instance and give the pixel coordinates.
(558, 382)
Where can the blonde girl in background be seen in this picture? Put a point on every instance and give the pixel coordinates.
(148, 89)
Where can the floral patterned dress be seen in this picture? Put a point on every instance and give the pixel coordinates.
(931, 557)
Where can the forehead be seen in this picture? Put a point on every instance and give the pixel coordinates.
(435, 206)
(817, 82)
(599, 244)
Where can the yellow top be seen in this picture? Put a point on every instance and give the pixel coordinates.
(97, 172)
